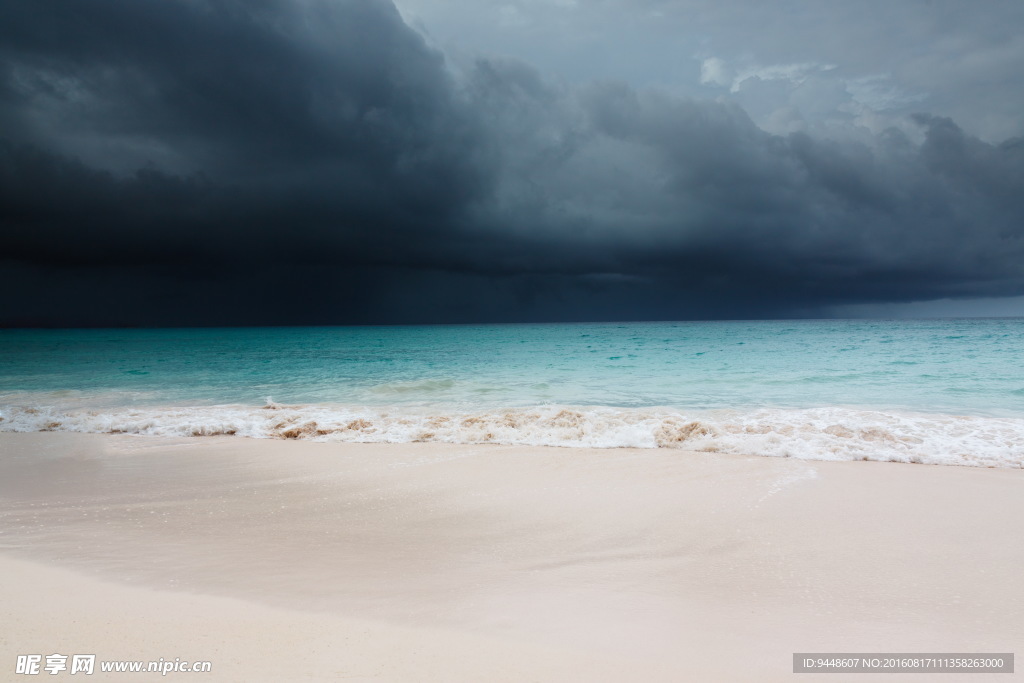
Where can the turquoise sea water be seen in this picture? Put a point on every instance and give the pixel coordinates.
(913, 390)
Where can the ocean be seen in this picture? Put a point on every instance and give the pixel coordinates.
(922, 391)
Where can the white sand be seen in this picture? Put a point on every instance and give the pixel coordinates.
(305, 561)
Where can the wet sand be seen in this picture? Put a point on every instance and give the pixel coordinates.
(281, 560)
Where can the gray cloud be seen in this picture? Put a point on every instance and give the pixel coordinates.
(884, 60)
(219, 162)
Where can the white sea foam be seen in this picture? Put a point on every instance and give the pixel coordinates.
(832, 433)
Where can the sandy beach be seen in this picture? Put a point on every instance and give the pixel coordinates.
(282, 560)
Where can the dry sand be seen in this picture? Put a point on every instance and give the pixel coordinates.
(420, 562)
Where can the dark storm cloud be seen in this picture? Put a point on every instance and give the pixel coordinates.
(316, 162)
(340, 95)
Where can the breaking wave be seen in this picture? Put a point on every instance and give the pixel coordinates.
(832, 433)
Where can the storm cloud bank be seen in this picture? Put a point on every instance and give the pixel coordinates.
(273, 162)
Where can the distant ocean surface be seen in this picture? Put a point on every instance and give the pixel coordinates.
(926, 391)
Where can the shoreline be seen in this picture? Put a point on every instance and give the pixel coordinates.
(824, 433)
(565, 564)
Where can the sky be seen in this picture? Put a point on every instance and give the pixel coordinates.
(294, 162)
